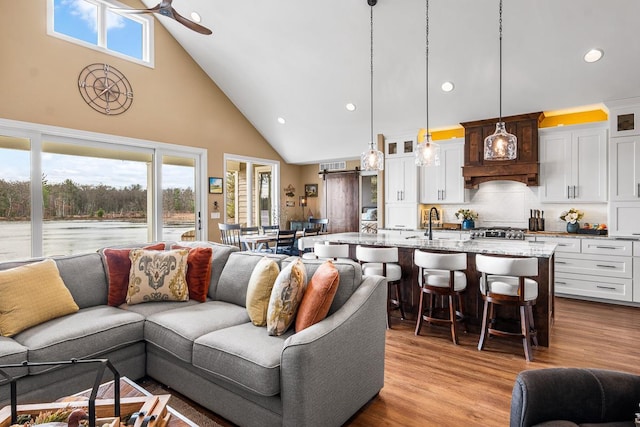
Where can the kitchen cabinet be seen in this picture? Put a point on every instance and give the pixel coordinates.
(401, 183)
(573, 164)
(636, 271)
(624, 164)
(444, 183)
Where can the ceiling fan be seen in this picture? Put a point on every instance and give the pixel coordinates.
(164, 8)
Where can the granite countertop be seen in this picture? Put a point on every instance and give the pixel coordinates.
(501, 247)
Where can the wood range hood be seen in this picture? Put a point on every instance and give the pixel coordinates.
(524, 169)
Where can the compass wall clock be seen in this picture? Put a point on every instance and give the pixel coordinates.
(105, 89)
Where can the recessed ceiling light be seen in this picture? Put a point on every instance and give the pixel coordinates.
(447, 86)
(593, 55)
(195, 16)
(350, 107)
(281, 120)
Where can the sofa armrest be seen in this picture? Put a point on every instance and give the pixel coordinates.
(574, 394)
(331, 369)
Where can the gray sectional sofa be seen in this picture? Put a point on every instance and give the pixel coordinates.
(210, 351)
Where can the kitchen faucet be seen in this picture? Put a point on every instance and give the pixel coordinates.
(429, 231)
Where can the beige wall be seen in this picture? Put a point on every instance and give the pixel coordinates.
(175, 102)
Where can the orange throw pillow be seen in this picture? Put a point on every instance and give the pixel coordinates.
(318, 297)
(198, 271)
(118, 269)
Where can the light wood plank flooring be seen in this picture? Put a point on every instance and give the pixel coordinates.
(431, 382)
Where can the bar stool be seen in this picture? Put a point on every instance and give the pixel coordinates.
(505, 281)
(326, 251)
(441, 275)
(383, 262)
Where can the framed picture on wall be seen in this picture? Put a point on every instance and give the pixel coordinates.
(215, 185)
(311, 190)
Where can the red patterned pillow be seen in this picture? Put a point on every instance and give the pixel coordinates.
(118, 269)
(318, 297)
(198, 271)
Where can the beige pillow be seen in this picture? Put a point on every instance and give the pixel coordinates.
(32, 294)
(259, 290)
(285, 297)
(158, 276)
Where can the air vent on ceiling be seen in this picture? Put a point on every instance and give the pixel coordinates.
(333, 166)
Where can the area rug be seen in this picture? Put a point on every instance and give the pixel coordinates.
(196, 413)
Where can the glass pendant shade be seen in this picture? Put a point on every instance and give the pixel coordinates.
(501, 145)
(428, 152)
(372, 159)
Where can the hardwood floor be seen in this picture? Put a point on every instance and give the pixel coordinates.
(431, 382)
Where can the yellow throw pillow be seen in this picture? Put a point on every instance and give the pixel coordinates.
(158, 276)
(32, 294)
(259, 290)
(285, 297)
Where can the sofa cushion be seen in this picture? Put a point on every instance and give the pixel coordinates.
(318, 296)
(12, 353)
(158, 276)
(235, 276)
(285, 298)
(175, 330)
(259, 290)
(198, 271)
(118, 267)
(88, 333)
(244, 355)
(149, 308)
(85, 277)
(32, 294)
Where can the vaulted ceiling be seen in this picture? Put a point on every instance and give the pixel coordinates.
(304, 60)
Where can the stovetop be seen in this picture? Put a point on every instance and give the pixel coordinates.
(498, 233)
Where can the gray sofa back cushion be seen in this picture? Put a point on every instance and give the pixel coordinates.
(236, 274)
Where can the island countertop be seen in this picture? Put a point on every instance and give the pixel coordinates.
(495, 247)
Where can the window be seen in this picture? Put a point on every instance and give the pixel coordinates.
(98, 24)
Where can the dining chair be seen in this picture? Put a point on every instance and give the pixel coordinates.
(285, 243)
(323, 223)
(307, 253)
(230, 234)
(249, 230)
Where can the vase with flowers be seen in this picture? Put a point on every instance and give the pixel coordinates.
(468, 217)
(572, 218)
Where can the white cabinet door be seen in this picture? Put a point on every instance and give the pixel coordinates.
(624, 166)
(623, 218)
(444, 183)
(636, 279)
(573, 165)
(401, 215)
(401, 180)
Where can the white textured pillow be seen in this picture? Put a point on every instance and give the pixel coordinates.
(158, 276)
(285, 298)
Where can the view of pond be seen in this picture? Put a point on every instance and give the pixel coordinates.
(77, 236)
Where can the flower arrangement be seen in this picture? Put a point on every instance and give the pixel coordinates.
(572, 215)
(466, 214)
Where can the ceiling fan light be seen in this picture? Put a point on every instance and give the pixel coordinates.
(195, 17)
(428, 152)
(372, 159)
(501, 145)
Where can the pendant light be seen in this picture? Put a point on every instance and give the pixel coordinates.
(427, 152)
(372, 159)
(501, 145)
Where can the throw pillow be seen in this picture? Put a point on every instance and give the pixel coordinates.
(118, 270)
(198, 271)
(32, 294)
(318, 296)
(158, 276)
(285, 297)
(261, 282)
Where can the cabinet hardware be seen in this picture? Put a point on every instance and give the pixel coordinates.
(560, 283)
(568, 192)
(639, 189)
(607, 247)
(605, 266)
(560, 262)
(575, 191)
(563, 244)
(609, 288)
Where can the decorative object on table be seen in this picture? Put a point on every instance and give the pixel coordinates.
(105, 89)
(311, 190)
(501, 145)
(468, 217)
(597, 229)
(371, 159)
(427, 152)
(290, 191)
(572, 216)
(164, 8)
(215, 185)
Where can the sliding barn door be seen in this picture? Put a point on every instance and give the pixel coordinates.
(342, 200)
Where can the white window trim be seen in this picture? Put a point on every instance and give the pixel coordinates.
(148, 56)
(37, 132)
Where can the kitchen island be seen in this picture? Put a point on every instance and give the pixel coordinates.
(544, 252)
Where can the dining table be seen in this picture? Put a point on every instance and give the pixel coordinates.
(260, 242)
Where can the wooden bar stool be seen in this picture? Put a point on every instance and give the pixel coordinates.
(383, 262)
(441, 275)
(505, 281)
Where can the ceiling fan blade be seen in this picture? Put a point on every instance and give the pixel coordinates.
(154, 9)
(190, 24)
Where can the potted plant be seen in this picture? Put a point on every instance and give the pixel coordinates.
(572, 216)
(468, 217)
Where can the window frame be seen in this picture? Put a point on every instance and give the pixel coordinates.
(148, 57)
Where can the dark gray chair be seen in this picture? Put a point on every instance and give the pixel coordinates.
(571, 397)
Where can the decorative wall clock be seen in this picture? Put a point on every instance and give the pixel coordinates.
(105, 89)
